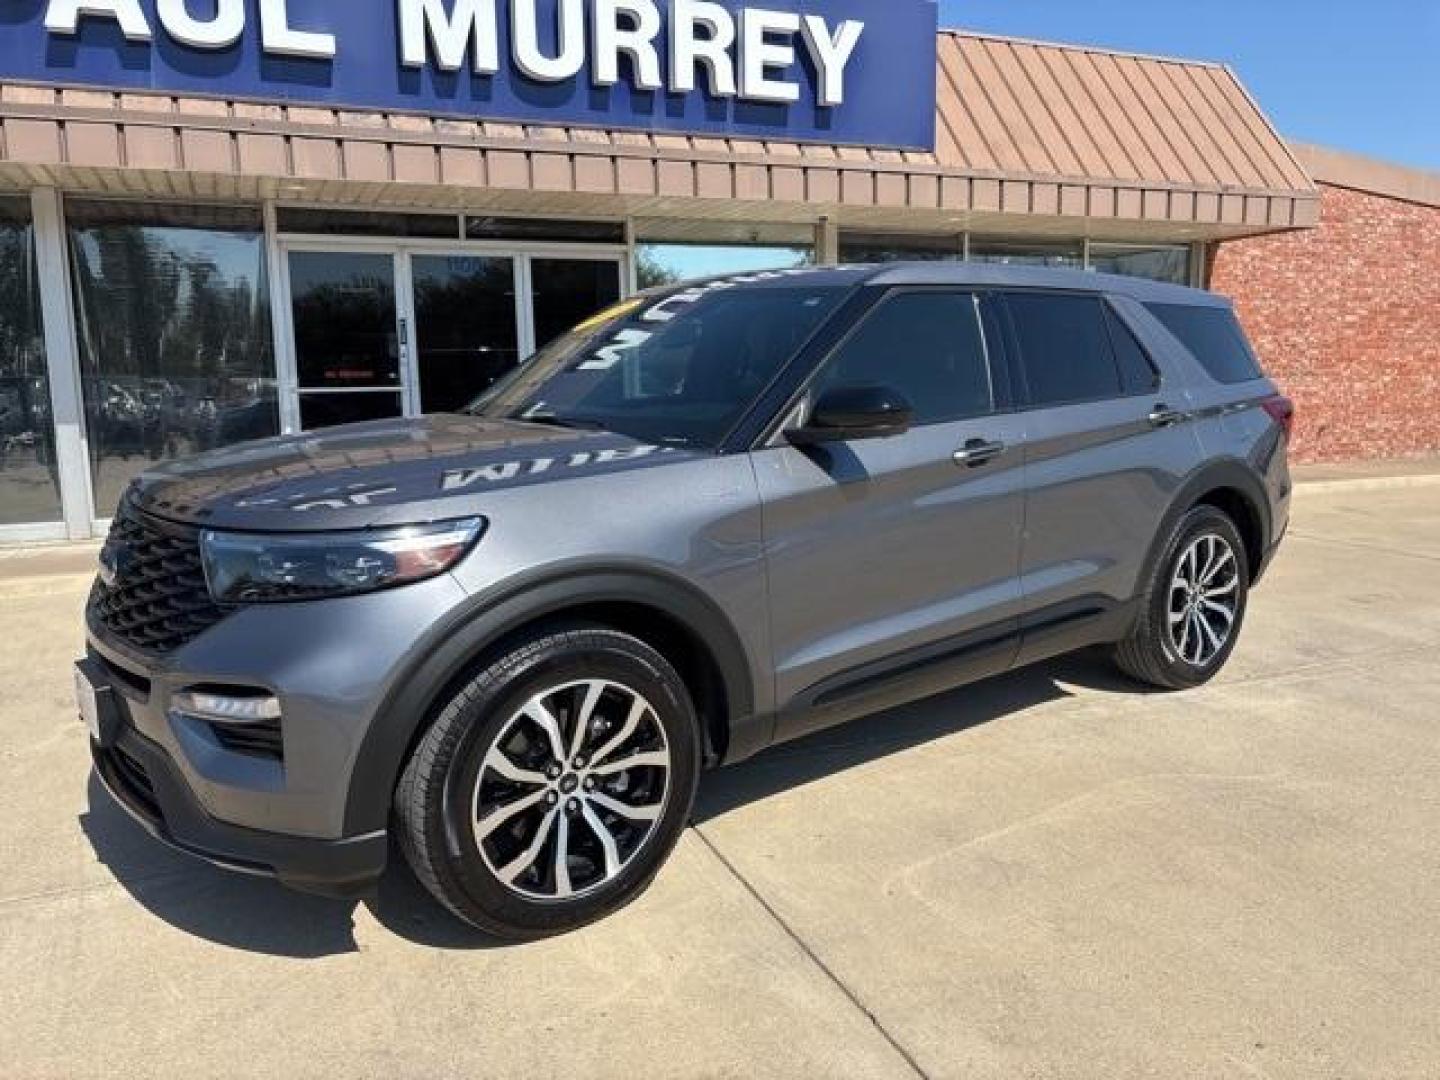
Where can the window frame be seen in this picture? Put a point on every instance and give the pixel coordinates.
(1020, 374)
(996, 356)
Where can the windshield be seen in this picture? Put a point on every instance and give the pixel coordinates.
(677, 368)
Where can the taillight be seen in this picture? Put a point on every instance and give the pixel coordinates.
(1282, 411)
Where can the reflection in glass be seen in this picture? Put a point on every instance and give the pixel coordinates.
(172, 306)
(1027, 253)
(1170, 264)
(569, 291)
(344, 318)
(573, 232)
(29, 486)
(464, 327)
(668, 264)
(900, 247)
(320, 222)
(322, 410)
(346, 337)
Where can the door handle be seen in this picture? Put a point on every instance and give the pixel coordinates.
(978, 452)
(1164, 416)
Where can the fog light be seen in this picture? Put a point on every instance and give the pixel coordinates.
(225, 709)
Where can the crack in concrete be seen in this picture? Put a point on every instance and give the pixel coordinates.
(789, 931)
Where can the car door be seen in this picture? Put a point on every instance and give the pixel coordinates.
(1108, 442)
(893, 563)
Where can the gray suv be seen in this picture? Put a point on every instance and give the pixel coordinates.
(713, 518)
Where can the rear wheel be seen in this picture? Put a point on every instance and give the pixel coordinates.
(1194, 605)
(553, 785)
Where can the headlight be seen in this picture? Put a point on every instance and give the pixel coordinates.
(249, 568)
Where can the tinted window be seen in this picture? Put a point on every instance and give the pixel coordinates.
(29, 488)
(928, 346)
(1137, 373)
(566, 291)
(1066, 348)
(679, 368)
(173, 312)
(1213, 335)
(365, 223)
(899, 247)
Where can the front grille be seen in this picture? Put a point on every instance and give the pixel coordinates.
(157, 600)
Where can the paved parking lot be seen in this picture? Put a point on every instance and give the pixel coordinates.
(1048, 875)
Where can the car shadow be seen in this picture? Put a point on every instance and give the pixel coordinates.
(258, 915)
(834, 750)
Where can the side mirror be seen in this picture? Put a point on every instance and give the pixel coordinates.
(854, 412)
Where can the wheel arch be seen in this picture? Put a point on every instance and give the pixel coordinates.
(1231, 487)
(667, 613)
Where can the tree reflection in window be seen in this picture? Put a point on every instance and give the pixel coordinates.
(172, 306)
(29, 483)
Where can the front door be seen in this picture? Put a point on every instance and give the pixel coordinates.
(381, 331)
(890, 558)
(348, 354)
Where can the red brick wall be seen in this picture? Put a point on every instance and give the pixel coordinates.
(1346, 318)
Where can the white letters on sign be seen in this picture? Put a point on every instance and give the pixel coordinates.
(634, 35)
(469, 24)
(711, 49)
(277, 37)
(751, 53)
(63, 16)
(569, 56)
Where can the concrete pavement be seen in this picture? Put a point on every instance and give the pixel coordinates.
(1051, 874)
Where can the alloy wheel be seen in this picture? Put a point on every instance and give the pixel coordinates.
(1203, 599)
(570, 789)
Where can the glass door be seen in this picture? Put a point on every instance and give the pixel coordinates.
(467, 331)
(567, 291)
(349, 360)
(404, 329)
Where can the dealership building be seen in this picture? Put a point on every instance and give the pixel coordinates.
(274, 217)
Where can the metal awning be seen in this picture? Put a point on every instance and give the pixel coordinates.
(1032, 139)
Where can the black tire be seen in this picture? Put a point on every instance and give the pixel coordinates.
(438, 795)
(1149, 654)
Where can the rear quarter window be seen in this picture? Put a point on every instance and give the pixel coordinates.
(1214, 336)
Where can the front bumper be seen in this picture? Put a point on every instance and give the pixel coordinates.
(143, 779)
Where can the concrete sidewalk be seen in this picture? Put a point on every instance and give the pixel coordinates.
(1051, 874)
(1369, 475)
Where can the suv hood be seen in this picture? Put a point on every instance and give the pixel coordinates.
(390, 472)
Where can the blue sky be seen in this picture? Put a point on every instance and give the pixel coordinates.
(1362, 77)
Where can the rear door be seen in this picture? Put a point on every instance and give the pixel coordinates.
(894, 559)
(1108, 442)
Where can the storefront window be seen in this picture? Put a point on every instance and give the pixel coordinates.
(173, 317)
(1025, 253)
(667, 264)
(1170, 264)
(899, 247)
(29, 486)
(568, 291)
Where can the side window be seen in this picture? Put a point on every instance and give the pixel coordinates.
(1214, 336)
(928, 346)
(1065, 347)
(1137, 373)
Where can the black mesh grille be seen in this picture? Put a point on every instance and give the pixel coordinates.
(157, 600)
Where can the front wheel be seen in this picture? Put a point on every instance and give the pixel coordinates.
(1194, 605)
(553, 785)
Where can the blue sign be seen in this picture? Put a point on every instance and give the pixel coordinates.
(859, 72)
